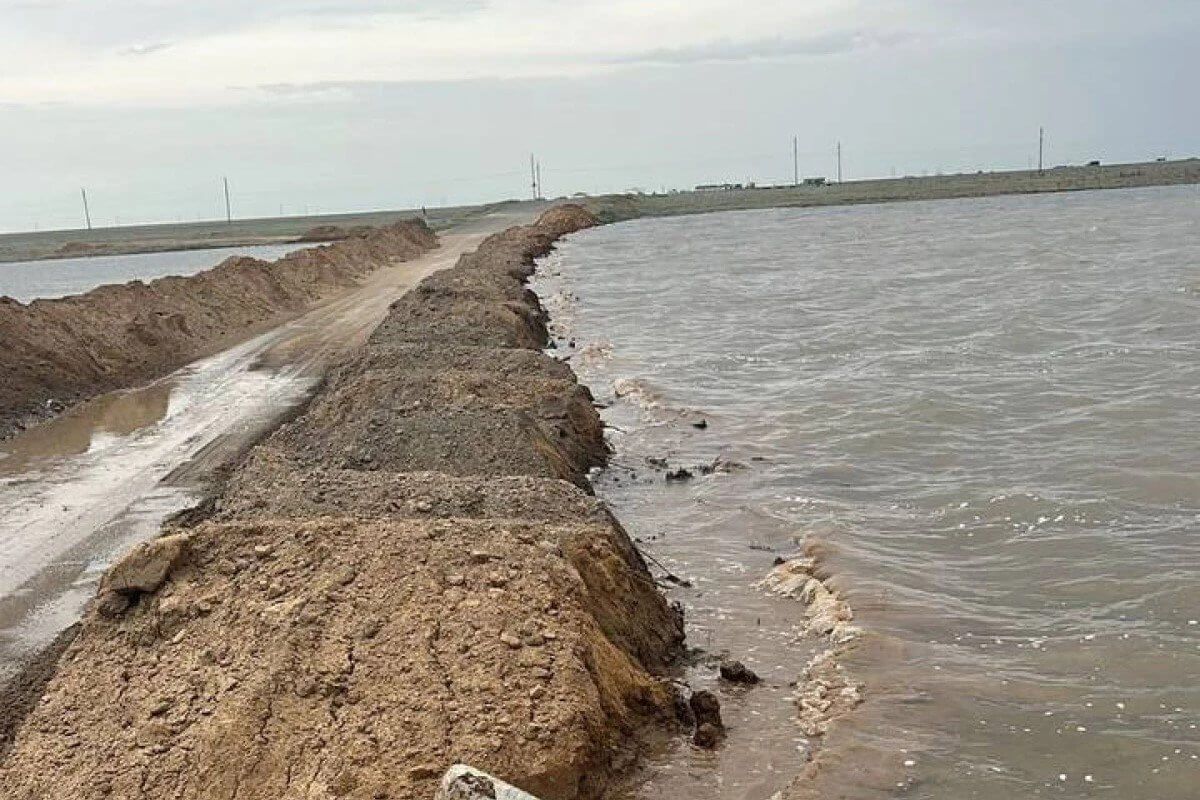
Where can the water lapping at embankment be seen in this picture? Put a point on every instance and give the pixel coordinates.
(54, 353)
(413, 572)
(980, 418)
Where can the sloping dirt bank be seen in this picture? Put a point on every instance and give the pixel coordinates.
(54, 353)
(411, 573)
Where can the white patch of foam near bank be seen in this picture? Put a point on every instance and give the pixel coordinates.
(824, 691)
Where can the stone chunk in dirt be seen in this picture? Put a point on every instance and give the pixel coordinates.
(465, 783)
(737, 672)
(146, 568)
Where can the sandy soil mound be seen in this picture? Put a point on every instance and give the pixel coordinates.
(57, 352)
(347, 658)
(407, 357)
(332, 233)
(445, 421)
(468, 322)
(402, 578)
(270, 485)
(565, 219)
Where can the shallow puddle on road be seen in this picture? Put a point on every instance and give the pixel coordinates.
(92, 425)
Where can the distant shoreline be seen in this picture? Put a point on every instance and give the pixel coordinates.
(614, 208)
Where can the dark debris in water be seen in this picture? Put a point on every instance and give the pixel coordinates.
(737, 672)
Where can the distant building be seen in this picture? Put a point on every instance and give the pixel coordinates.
(815, 181)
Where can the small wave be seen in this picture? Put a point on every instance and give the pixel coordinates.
(646, 396)
(827, 614)
(825, 690)
(637, 391)
(593, 354)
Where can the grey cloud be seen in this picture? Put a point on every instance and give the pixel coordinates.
(123, 24)
(778, 47)
(145, 49)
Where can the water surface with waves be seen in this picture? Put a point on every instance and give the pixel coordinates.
(983, 416)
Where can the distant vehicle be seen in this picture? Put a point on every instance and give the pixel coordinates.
(815, 181)
(1161, 159)
(1093, 163)
(718, 187)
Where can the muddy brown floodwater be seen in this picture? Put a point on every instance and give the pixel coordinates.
(82, 488)
(979, 417)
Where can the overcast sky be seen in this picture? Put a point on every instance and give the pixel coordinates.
(323, 105)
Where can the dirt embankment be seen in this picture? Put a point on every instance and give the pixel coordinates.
(334, 233)
(54, 353)
(412, 573)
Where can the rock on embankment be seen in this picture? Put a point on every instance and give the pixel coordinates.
(57, 352)
(412, 574)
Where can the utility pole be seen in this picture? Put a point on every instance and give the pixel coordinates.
(1041, 147)
(795, 161)
(538, 178)
(533, 181)
(228, 208)
(87, 214)
(839, 154)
